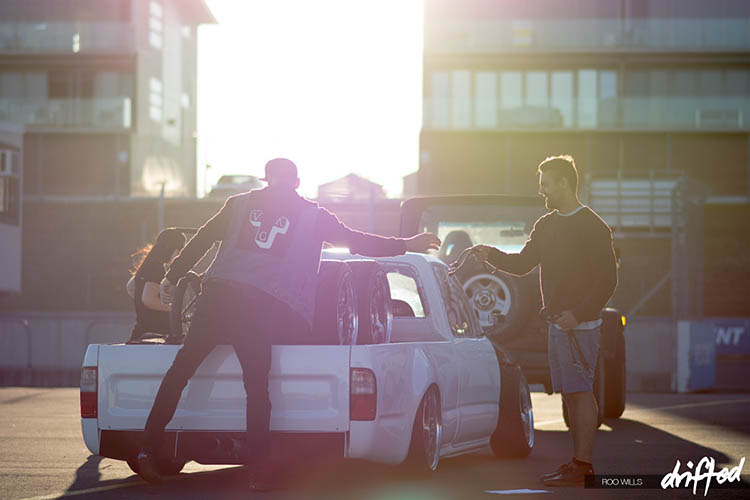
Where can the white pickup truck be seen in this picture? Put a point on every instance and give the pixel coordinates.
(438, 388)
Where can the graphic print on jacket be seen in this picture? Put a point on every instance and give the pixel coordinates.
(271, 245)
(265, 235)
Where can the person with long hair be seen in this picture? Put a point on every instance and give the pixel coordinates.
(150, 267)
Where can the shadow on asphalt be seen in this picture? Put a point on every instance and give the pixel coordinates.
(630, 447)
(732, 415)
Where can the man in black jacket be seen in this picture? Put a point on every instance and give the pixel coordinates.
(578, 275)
(263, 279)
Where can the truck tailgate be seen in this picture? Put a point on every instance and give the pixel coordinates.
(309, 388)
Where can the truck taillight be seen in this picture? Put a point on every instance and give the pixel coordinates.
(88, 392)
(363, 394)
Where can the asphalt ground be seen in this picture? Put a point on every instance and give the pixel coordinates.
(42, 456)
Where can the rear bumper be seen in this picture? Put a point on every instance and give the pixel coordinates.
(212, 447)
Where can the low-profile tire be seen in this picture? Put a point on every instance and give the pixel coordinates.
(514, 435)
(166, 467)
(183, 305)
(373, 302)
(599, 394)
(424, 447)
(615, 380)
(336, 317)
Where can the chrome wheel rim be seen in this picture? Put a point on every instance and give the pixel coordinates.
(431, 428)
(188, 308)
(489, 297)
(527, 412)
(380, 314)
(346, 312)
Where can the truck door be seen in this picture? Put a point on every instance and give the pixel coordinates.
(479, 372)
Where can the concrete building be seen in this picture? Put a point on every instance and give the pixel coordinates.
(106, 91)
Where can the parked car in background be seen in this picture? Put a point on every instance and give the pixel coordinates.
(234, 184)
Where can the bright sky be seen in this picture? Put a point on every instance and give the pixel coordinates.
(334, 85)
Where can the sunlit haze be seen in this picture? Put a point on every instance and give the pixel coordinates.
(333, 85)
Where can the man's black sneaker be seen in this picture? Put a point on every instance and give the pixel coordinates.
(573, 475)
(556, 471)
(147, 468)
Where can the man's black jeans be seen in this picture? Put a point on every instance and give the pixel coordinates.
(245, 318)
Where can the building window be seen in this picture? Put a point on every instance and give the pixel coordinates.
(485, 99)
(511, 96)
(461, 98)
(9, 183)
(155, 99)
(441, 95)
(587, 98)
(561, 95)
(607, 99)
(155, 24)
(536, 89)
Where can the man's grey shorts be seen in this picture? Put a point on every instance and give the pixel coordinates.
(567, 371)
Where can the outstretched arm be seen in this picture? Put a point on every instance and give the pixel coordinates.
(513, 263)
(332, 230)
(208, 234)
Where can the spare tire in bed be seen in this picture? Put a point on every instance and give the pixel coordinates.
(336, 317)
(373, 302)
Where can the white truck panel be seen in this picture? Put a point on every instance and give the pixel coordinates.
(309, 389)
(404, 371)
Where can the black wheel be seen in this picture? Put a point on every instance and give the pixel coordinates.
(183, 304)
(615, 380)
(373, 302)
(514, 435)
(424, 448)
(599, 394)
(166, 467)
(336, 317)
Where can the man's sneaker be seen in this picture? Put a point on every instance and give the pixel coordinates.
(573, 475)
(147, 468)
(556, 471)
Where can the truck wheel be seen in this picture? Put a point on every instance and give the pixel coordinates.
(599, 394)
(374, 302)
(615, 380)
(514, 435)
(336, 316)
(166, 467)
(424, 448)
(183, 304)
(498, 300)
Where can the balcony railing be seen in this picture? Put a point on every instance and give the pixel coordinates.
(500, 35)
(66, 37)
(636, 113)
(113, 113)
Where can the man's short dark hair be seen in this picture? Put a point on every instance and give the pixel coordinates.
(561, 167)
